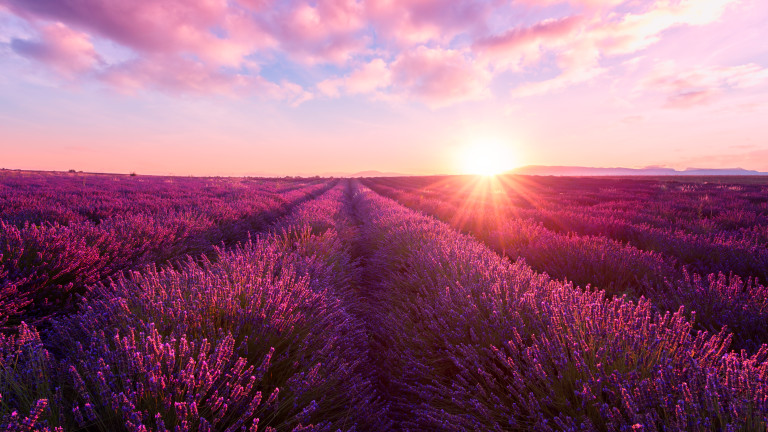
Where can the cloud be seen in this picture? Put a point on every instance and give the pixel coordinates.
(413, 22)
(579, 43)
(436, 77)
(633, 32)
(524, 43)
(367, 79)
(197, 46)
(595, 4)
(432, 51)
(68, 51)
(173, 74)
(569, 77)
(690, 87)
(169, 26)
(329, 31)
(688, 99)
(541, 32)
(439, 77)
(178, 75)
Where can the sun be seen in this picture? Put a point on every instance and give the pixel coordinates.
(487, 158)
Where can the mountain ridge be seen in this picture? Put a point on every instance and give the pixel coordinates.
(582, 171)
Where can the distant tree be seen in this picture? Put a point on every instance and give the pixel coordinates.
(133, 174)
(73, 171)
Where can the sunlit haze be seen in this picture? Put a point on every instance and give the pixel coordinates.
(266, 87)
(487, 157)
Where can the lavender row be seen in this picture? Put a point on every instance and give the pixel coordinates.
(63, 198)
(720, 301)
(257, 338)
(692, 205)
(321, 228)
(43, 265)
(336, 217)
(743, 252)
(709, 228)
(479, 343)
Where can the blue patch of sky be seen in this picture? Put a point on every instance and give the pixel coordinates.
(462, 40)
(112, 52)
(219, 32)
(13, 27)
(545, 69)
(521, 16)
(279, 67)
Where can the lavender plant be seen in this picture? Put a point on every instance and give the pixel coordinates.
(480, 343)
(619, 268)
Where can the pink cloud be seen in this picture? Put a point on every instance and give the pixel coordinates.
(524, 43)
(364, 80)
(373, 75)
(180, 75)
(633, 32)
(431, 50)
(542, 31)
(579, 43)
(65, 50)
(570, 77)
(179, 45)
(408, 22)
(689, 87)
(147, 26)
(688, 99)
(216, 31)
(174, 74)
(331, 87)
(584, 3)
(210, 29)
(439, 77)
(436, 77)
(329, 31)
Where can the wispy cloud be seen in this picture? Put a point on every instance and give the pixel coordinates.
(67, 51)
(689, 87)
(367, 79)
(431, 51)
(439, 77)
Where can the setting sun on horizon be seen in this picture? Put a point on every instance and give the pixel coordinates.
(487, 157)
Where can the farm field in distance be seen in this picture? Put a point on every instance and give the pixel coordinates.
(438, 303)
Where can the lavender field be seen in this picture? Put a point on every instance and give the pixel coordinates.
(456, 303)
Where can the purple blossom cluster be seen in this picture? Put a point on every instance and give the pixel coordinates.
(699, 244)
(345, 310)
(476, 342)
(254, 337)
(61, 233)
(714, 227)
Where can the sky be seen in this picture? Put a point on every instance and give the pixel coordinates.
(296, 87)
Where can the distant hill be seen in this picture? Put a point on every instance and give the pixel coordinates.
(577, 171)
